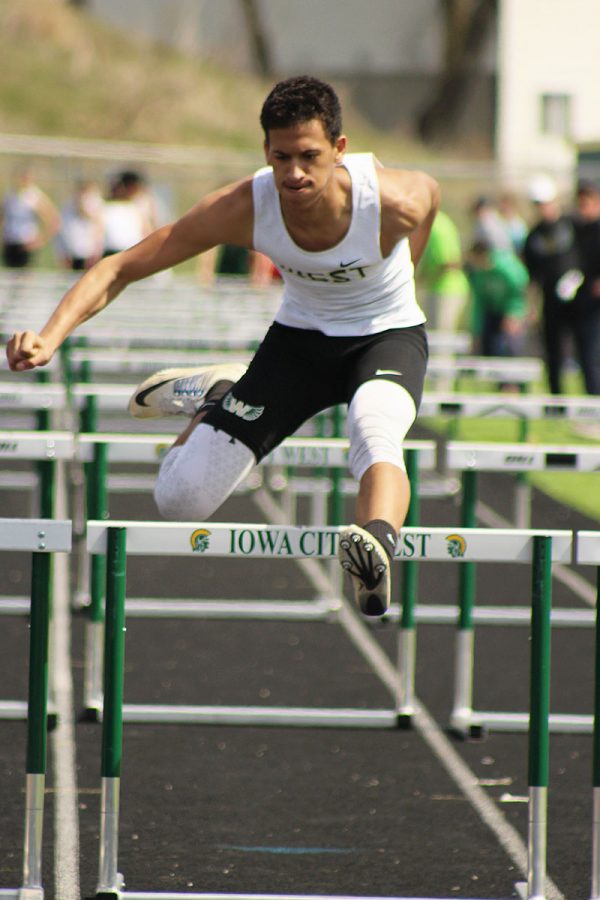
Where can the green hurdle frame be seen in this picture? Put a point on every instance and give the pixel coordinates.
(119, 539)
(41, 538)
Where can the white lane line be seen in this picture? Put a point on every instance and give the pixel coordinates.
(66, 817)
(572, 580)
(423, 722)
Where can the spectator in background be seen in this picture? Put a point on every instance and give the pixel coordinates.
(445, 286)
(138, 190)
(586, 301)
(236, 262)
(498, 282)
(29, 220)
(488, 225)
(80, 239)
(514, 222)
(124, 218)
(550, 254)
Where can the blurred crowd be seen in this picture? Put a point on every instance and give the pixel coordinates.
(91, 224)
(523, 277)
(526, 279)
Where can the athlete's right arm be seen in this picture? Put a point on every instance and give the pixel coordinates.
(223, 217)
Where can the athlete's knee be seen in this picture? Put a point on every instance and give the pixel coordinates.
(198, 476)
(379, 417)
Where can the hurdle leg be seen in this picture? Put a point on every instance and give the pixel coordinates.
(407, 635)
(596, 759)
(462, 721)
(538, 763)
(522, 514)
(36, 727)
(98, 509)
(110, 881)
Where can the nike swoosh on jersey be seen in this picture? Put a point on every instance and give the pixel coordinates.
(344, 265)
(387, 372)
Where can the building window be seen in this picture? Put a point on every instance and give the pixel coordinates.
(556, 114)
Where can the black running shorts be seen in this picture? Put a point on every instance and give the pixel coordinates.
(297, 373)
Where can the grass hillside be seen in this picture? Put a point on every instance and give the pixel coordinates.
(64, 73)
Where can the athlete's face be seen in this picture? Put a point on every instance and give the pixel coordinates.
(303, 160)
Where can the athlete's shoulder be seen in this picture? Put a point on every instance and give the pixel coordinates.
(407, 196)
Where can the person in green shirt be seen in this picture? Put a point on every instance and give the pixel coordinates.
(441, 275)
(498, 282)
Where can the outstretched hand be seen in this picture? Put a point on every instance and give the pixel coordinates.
(27, 350)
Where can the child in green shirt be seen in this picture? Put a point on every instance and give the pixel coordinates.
(498, 282)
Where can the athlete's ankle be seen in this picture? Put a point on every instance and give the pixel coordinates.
(385, 533)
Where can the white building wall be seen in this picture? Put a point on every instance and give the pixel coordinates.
(545, 47)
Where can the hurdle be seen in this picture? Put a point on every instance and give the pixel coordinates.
(41, 538)
(117, 540)
(470, 459)
(97, 451)
(587, 552)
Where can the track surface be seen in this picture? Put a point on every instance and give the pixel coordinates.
(305, 810)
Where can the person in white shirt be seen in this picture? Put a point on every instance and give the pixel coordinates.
(29, 220)
(345, 233)
(80, 239)
(123, 218)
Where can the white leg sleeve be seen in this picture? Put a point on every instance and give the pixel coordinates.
(379, 416)
(198, 476)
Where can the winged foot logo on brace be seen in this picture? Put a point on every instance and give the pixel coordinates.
(240, 409)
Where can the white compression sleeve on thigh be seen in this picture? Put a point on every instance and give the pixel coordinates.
(379, 416)
(195, 478)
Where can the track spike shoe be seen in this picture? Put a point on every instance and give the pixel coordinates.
(173, 392)
(364, 559)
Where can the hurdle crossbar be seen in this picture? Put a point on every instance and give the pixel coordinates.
(118, 539)
(41, 538)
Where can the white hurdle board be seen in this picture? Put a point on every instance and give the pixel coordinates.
(521, 457)
(35, 535)
(529, 406)
(243, 540)
(295, 451)
(587, 550)
(517, 370)
(32, 396)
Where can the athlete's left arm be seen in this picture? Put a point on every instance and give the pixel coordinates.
(409, 204)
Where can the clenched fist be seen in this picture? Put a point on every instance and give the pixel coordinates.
(27, 350)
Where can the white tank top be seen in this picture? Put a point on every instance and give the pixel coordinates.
(349, 289)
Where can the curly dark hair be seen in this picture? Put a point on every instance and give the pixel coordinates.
(301, 99)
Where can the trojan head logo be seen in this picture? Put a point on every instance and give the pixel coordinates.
(200, 540)
(456, 545)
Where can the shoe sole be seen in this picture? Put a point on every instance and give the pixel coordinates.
(359, 549)
(145, 402)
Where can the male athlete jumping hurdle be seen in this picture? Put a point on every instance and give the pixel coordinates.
(345, 233)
